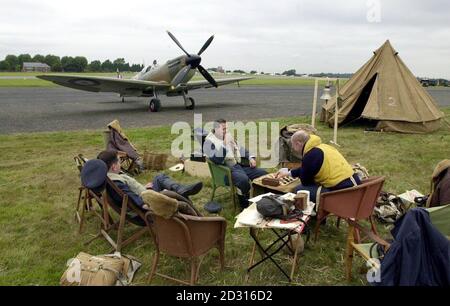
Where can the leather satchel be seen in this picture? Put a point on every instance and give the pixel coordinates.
(274, 207)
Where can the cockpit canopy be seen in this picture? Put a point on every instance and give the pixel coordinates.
(146, 69)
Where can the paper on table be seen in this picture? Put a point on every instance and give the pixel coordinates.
(249, 217)
(409, 195)
(284, 224)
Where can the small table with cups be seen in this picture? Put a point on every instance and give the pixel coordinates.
(283, 232)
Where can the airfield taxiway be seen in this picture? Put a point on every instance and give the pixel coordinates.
(53, 109)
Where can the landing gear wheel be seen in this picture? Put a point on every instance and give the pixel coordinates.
(123, 99)
(192, 105)
(155, 105)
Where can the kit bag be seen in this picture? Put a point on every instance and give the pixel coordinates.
(154, 161)
(103, 270)
(272, 206)
(389, 207)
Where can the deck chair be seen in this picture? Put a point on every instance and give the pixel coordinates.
(115, 139)
(440, 217)
(85, 203)
(129, 214)
(356, 203)
(188, 237)
(221, 177)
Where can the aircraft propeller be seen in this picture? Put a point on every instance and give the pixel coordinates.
(193, 62)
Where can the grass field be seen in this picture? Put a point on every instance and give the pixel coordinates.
(39, 183)
(263, 80)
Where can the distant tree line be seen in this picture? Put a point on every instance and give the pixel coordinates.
(67, 63)
(332, 75)
(293, 72)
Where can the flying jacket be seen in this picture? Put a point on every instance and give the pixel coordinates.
(119, 141)
(419, 255)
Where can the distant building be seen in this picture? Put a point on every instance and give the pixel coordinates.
(38, 67)
(443, 82)
(220, 69)
(433, 82)
(424, 81)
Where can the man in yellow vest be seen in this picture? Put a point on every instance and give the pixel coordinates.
(323, 167)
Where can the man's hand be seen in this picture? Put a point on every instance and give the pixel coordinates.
(228, 140)
(252, 162)
(149, 186)
(282, 173)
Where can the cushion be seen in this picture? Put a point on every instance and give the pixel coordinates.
(160, 204)
(185, 206)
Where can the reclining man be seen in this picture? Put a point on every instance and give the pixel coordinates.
(222, 149)
(134, 189)
(323, 168)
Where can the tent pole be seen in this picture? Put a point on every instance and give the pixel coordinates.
(336, 113)
(313, 117)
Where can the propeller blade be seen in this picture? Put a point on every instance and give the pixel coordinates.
(181, 75)
(207, 76)
(177, 42)
(206, 45)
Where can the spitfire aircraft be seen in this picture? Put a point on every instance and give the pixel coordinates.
(171, 79)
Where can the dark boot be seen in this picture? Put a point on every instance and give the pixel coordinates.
(187, 190)
(162, 181)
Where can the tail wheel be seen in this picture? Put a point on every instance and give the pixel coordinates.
(155, 105)
(192, 105)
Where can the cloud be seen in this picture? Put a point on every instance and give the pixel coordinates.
(271, 36)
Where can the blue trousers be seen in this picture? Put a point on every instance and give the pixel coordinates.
(241, 175)
(314, 187)
(161, 182)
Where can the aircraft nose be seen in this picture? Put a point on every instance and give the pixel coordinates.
(193, 60)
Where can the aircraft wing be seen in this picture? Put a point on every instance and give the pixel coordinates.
(205, 84)
(105, 84)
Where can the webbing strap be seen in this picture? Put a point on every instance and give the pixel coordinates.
(319, 190)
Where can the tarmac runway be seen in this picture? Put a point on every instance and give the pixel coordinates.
(57, 108)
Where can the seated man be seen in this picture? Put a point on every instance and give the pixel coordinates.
(323, 167)
(134, 189)
(222, 149)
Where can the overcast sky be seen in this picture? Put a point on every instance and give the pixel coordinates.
(271, 36)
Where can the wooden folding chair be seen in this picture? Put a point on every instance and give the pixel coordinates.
(85, 203)
(129, 213)
(127, 164)
(440, 217)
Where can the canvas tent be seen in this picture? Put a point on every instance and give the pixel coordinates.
(385, 92)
